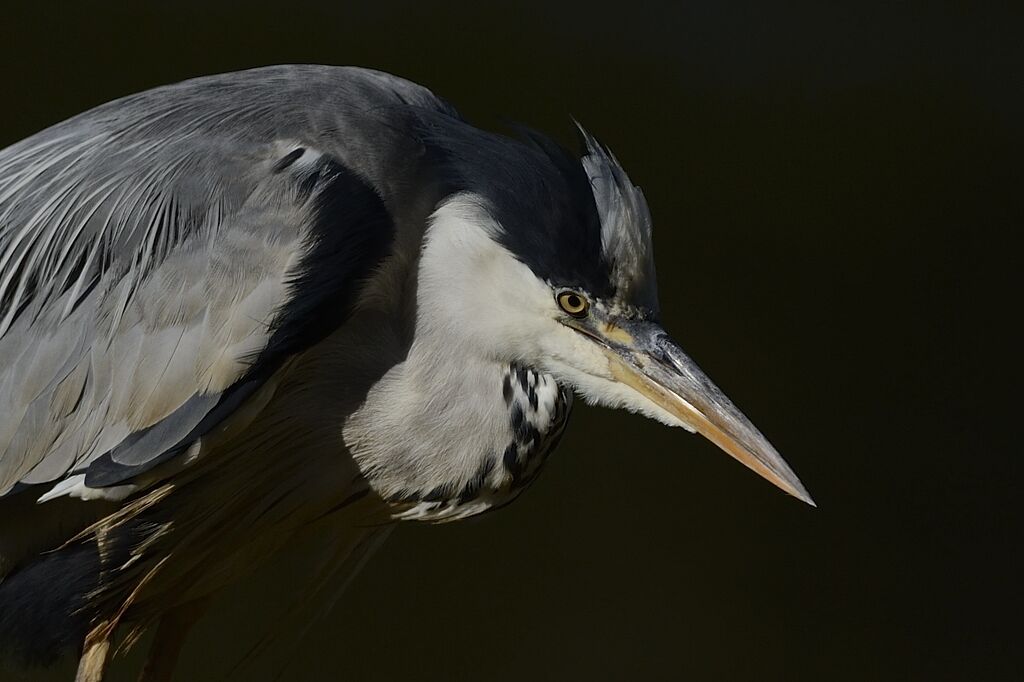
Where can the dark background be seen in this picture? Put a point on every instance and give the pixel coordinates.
(835, 188)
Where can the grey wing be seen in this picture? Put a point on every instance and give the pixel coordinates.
(160, 257)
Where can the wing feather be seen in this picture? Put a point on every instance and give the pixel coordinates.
(159, 261)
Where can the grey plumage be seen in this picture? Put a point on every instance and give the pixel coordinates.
(91, 211)
(160, 265)
(299, 299)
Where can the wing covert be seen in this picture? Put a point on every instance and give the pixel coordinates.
(157, 268)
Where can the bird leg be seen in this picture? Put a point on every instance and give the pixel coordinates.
(93, 664)
(169, 639)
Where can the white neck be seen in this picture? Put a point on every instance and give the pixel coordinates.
(438, 424)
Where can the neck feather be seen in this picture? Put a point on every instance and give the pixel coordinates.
(443, 445)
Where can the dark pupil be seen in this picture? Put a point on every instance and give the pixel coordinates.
(575, 302)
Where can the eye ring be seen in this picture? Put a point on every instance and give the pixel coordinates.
(574, 303)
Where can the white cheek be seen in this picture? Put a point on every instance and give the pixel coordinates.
(567, 354)
(474, 293)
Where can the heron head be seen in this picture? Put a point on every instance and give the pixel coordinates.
(545, 258)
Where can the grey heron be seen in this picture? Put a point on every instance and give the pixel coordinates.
(297, 297)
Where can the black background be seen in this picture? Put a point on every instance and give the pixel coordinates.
(834, 187)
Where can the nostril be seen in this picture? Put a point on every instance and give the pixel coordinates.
(668, 352)
(661, 347)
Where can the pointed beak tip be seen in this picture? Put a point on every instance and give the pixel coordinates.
(798, 491)
(806, 497)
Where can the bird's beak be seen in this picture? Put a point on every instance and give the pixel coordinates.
(641, 355)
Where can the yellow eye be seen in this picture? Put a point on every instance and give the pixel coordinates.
(573, 303)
